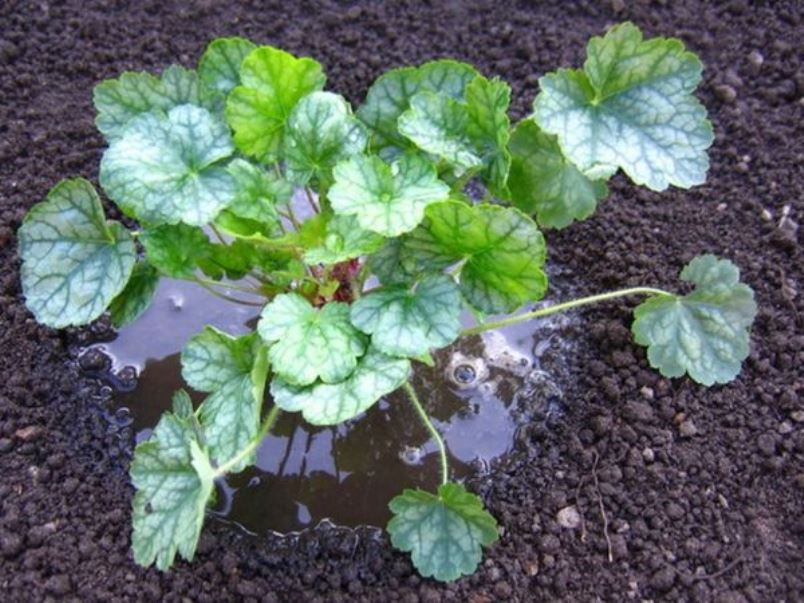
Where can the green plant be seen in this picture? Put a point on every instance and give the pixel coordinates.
(211, 165)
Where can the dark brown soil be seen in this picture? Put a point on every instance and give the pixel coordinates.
(699, 490)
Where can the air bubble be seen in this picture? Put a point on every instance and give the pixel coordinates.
(464, 374)
(411, 455)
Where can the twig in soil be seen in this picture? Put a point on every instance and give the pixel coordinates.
(602, 509)
(578, 506)
(719, 573)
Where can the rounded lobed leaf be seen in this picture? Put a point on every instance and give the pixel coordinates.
(630, 107)
(272, 82)
(344, 240)
(130, 303)
(704, 333)
(543, 182)
(163, 169)
(74, 262)
(329, 404)
(321, 131)
(219, 67)
(310, 343)
(444, 533)
(388, 199)
(409, 322)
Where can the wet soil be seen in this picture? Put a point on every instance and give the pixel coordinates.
(684, 493)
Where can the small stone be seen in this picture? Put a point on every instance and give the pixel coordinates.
(797, 416)
(648, 455)
(755, 58)
(726, 93)
(647, 392)
(29, 434)
(569, 518)
(550, 544)
(6, 444)
(503, 590)
(638, 411)
(618, 6)
(785, 427)
(721, 207)
(675, 511)
(663, 579)
(10, 544)
(687, 429)
(767, 444)
(765, 215)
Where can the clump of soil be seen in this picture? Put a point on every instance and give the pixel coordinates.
(643, 488)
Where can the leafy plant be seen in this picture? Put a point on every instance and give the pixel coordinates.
(215, 167)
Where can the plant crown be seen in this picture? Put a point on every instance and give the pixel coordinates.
(355, 234)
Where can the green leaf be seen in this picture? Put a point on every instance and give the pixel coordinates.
(630, 107)
(176, 251)
(444, 533)
(118, 101)
(705, 333)
(257, 193)
(74, 261)
(543, 182)
(387, 199)
(504, 253)
(321, 131)
(219, 67)
(212, 357)
(273, 81)
(438, 124)
(174, 481)
(129, 304)
(386, 263)
(231, 415)
(234, 371)
(390, 96)
(165, 169)
(405, 322)
(310, 343)
(329, 404)
(344, 240)
(488, 127)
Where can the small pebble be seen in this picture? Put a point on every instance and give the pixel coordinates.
(767, 444)
(755, 58)
(29, 434)
(726, 93)
(797, 416)
(785, 427)
(569, 518)
(648, 455)
(687, 429)
(6, 445)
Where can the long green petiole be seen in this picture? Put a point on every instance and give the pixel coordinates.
(583, 301)
(266, 426)
(442, 449)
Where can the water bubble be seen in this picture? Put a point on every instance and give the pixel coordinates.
(176, 302)
(464, 374)
(411, 455)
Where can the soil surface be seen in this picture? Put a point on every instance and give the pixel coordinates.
(684, 493)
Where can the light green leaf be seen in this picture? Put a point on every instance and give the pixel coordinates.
(444, 533)
(405, 322)
(177, 250)
(387, 199)
(120, 100)
(257, 193)
(310, 343)
(212, 357)
(344, 240)
(704, 333)
(390, 96)
(630, 107)
(543, 182)
(488, 127)
(231, 414)
(438, 124)
(321, 131)
(386, 263)
(329, 404)
(234, 370)
(219, 67)
(165, 169)
(174, 481)
(504, 253)
(272, 82)
(74, 261)
(137, 295)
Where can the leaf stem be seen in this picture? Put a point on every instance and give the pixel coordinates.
(442, 449)
(235, 300)
(252, 445)
(232, 286)
(488, 326)
(309, 194)
(217, 234)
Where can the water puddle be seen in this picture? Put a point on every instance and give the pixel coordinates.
(480, 391)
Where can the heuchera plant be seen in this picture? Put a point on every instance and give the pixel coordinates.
(354, 233)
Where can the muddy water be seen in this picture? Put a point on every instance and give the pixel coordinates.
(478, 393)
